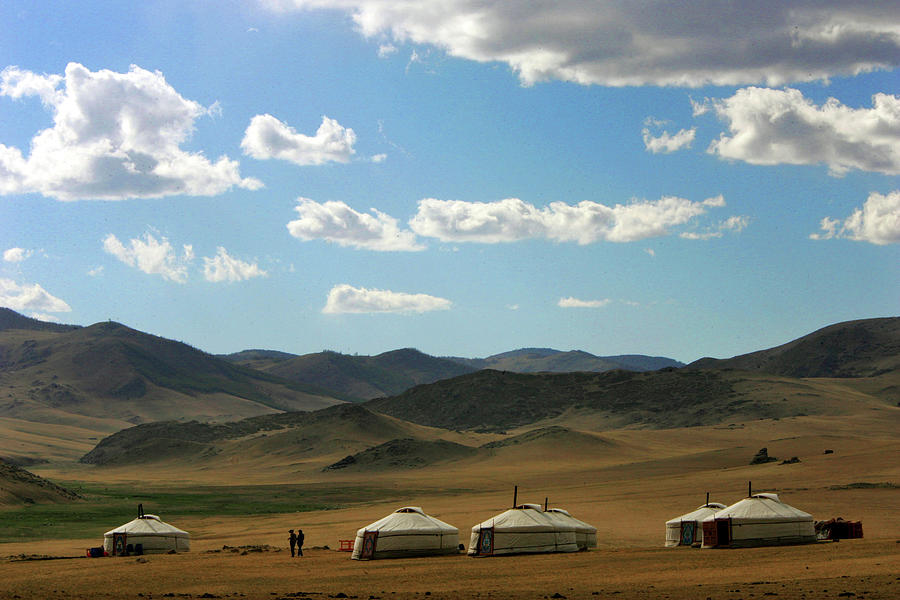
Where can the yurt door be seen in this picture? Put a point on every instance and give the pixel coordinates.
(370, 540)
(723, 532)
(119, 545)
(486, 541)
(688, 533)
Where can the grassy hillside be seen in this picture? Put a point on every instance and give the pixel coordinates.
(539, 360)
(361, 377)
(865, 348)
(109, 370)
(21, 487)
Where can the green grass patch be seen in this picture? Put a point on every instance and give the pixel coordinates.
(106, 507)
(864, 485)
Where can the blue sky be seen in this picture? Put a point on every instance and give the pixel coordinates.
(465, 178)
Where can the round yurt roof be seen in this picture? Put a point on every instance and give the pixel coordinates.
(699, 514)
(528, 517)
(148, 525)
(761, 506)
(577, 523)
(409, 518)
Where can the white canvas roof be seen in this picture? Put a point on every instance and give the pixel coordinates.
(405, 532)
(585, 534)
(699, 514)
(148, 525)
(766, 507)
(760, 520)
(151, 533)
(524, 529)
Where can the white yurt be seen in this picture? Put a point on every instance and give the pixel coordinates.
(585, 534)
(687, 530)
(148, 534)
(407, 531)
(523, 529)
(760, 520)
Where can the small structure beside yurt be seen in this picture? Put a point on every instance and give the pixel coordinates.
(759, 520)
(147, 534)
(407, 531)
(687, 530)
(585, 534)
(521, 530)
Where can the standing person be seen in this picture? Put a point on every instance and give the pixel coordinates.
(293, 541)
(300, 538)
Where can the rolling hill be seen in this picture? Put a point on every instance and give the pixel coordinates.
(537, 360)
(355, 377)
(864, 348)
(108, 370)
(18, 486)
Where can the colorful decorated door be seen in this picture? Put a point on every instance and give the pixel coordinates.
(119, 545)
(370, 540)
(486, 542)
(688, 533)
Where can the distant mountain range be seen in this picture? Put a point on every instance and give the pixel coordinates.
(366, 377)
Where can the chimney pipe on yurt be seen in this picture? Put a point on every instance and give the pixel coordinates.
(546, 503)
(749, 489)
(140, 511)
(707, 499)
(515, 496)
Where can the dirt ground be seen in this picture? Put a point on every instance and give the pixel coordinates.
(854, 569)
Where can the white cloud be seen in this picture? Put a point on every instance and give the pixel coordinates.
(379, 158)
(336, 222)
(733, 224)
(587, 222)
(877, 222)
(29, 297)
(666, 143)
(15, 255)
(96, 271)
(114, 136)
(44, 317)
(769, 127)
(226, 268)
(650, 251)
(642, 43)
(347, 299)
(385, 50)
(571, 302)
(152, 256)
(267, 137)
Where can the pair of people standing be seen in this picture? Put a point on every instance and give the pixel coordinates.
(296, 541)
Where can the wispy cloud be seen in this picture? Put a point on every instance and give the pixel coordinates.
(223, 267)
(152, 256)
(664, 143)
(877, 222)
(587, 222)
(571, 302)
(114, 136)
(348, 299)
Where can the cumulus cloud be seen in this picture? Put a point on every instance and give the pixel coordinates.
(344, 298)
(587, 222)
(877, 222)
(30, 297)
(665, 143)
(114, 136)
(15, 255)
(571, 302)
(267, 137)
(653, 42)
(152, 256)
(769, 127)
(338, 223)
(223, 267)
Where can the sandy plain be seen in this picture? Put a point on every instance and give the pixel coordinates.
(627, 485)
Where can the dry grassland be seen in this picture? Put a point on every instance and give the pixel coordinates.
(625, 482)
